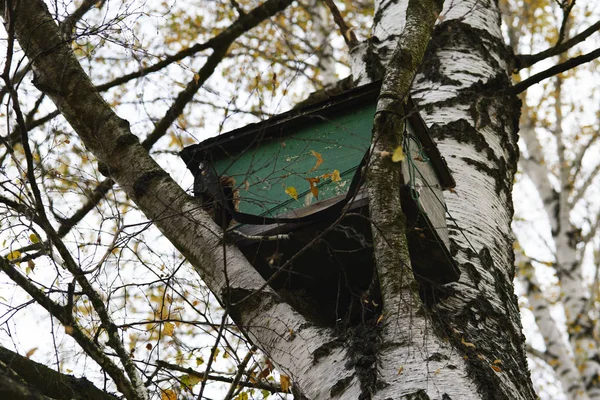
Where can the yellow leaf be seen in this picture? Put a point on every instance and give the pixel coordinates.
(292, 192)
(30, 265)
(313, 189)
(285, 382)
(196, 78)
(496, 368)
(30, 352)
(467, 344)
(68, 329)
(168, 329)
(335, 176)
(242, 396)
(400, 370)
(168, 394)
(190, 380)
(34, 239)
(13, 255)
(319, 158)
(199, 361)
(398, 155)
(379, 319)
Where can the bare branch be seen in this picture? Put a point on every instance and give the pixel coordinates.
(345, 30)
(557, 69)
(48, 382)
(273, 388)
(527, 60)
(72, 328)
(567, 7)
(579, 157)
(68, 25)
(584, 186)
(235, 383)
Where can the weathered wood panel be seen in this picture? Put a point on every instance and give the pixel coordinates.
(419, 173)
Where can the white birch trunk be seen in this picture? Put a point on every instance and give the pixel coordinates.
(476, 132)
(568, 263)
(556, 349)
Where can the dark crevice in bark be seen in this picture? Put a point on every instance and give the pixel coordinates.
(326, 349)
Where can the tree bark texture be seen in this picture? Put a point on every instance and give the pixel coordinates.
(462, 90)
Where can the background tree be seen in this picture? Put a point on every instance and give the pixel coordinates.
(561, 173)
(124, 299)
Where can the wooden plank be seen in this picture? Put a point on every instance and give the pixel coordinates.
(420, 174)
(360, 200)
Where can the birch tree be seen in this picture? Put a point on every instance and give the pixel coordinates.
(451, 57)
(563, 178)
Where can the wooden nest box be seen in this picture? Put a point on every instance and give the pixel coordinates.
(298, 171)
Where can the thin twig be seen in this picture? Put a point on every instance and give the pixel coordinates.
(346, 31)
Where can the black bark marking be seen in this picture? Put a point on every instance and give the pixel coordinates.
(340, 386)
(103, 169)
(363, 348)
(438, 357)
(126, 140)
(141, 185)
(326, 349)
(374, 69)
(420, 394)
(431, 71)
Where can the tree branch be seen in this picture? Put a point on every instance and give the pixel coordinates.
(267, 319)
(567, 7)
(48, 382)
(579, 157)
(258, 385)
(345, 30)
(577, 196)
(527, 60)
(65, 317)
(557, 69)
